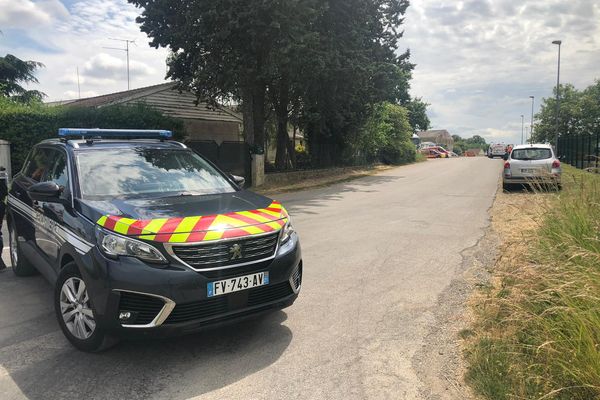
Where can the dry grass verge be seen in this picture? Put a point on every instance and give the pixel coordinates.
(536, 333)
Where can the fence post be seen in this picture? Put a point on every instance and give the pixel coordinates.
(596, 152)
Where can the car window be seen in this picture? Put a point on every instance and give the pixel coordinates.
(147, 172)
(531, 154)
(39, 164)
(58, 172)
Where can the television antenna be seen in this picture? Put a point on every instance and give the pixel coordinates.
(126, 50)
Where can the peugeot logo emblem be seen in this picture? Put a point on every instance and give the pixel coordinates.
(235, 251)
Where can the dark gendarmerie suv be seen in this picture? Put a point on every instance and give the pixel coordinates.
(141, 235)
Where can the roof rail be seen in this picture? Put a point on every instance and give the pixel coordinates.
(84, 133)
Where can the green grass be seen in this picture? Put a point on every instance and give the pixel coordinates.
(537, 336)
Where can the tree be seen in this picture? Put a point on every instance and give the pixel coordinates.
(475, 142)
(321, 63)
(13, 73)
(417, 114)
(579, 113)
(354, 66)
(227, 49)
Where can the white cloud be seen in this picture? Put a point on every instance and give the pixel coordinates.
(72, 94)
(102, 67)
(27, 14)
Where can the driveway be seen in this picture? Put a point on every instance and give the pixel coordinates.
(378, 254)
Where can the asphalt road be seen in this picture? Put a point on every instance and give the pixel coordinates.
(378, 253)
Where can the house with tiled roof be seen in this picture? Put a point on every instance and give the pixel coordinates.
(202, 122)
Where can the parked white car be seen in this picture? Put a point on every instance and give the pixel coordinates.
(531, 164)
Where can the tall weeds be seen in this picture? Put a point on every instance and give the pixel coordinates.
(537, 330)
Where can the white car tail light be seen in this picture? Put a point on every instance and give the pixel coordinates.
(556, 164)
(507, 169)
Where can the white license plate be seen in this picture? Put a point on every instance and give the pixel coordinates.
(529, 171)
(236, 284)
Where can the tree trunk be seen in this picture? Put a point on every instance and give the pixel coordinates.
(247, 112)
(281, 110)
(258, 115)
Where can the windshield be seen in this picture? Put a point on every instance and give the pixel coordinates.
(531, 154)
(144, 172)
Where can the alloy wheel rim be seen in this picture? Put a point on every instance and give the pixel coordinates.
(14, 255)
(75, 308)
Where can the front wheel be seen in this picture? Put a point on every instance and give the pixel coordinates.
(74, 312)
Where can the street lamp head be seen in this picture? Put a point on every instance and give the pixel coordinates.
(558, 42)
(532, 97)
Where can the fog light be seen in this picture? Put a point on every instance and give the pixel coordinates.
(124, 315)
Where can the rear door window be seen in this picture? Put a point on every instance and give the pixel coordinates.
(531, 154)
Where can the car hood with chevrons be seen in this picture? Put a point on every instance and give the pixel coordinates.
(187, 219)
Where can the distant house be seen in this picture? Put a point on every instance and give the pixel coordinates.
(202, 123)
(438, 136)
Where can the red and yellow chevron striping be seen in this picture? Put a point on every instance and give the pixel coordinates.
(200, 228)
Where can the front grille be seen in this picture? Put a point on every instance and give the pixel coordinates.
(229, 252)
(144, 308)
(220, 305)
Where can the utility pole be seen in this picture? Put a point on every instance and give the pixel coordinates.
(522, 127)
(126, 50)
(531, 130)
(78, 85)
(557, 42)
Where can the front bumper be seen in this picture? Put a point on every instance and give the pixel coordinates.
(173, 300)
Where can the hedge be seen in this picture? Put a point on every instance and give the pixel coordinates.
(24, 125)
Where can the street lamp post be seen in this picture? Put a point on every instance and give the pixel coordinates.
(531, 129)
(557, 42)
(522, 127)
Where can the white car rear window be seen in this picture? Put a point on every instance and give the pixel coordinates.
(531, 154)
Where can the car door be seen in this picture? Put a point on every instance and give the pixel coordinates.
(51, 215)
(23, 209)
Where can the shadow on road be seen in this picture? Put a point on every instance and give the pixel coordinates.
(38, 362)
(309, 201)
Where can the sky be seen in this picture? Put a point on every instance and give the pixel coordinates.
(477, 62)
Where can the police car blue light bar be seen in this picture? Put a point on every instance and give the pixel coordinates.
(115, 133)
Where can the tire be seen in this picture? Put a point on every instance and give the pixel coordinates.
(75, 314)
(21, 266)
(506, 186)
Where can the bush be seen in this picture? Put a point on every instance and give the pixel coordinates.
(24, 125)
(387, 134)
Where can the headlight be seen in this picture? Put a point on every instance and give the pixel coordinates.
(116, 245)
(286, 234)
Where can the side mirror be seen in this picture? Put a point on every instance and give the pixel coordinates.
(505, 157)
(45, 191)
(239, 180)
